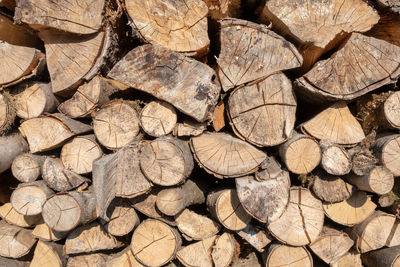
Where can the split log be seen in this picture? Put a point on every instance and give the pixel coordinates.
(250, 260)
(116, 124)
(16, 34)
(84, 17)
(379, 181)
(11, 216)
(218, 120)
(153, 237)
(89, 238)
(339, 125)
(363, 160)
(123, 259)
(50, 132)
(222, 155)
(301, 154)
(335, 160)
(158, 118)
(387, 150)
(89, 260)
(264, 200)
(331, 245)
(7, 112)
(11, 146)
(256, 237)
(178, 25)
(197, 254)
(225, 207)
(192, 87)
(383, 257)
(351, 258)
(123, 217)
(302, 221)
(378, 230)
(15, 241)
(34, 99)
(287, 256)
(390, 111)
(354, 70)
(330, 188)
(48, 254)
(189, 128)
(219, 9)
(78, 154)
(351, 211)
(262, 116)
(64, 211)
(270, 168)
(44, 232)
(240, 62)
(166, 161)
(317, 27)
(28, 198)
(27, 167)
(58, 178)
(172, 201)
(224, 251)
(11, 262)
(194, 226)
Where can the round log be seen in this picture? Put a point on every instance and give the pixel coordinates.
(197, 254)
(48, 255)
(158, 118)
(15, 242)
(335, 160)
(195, 226)
(10, 147)
(302, 221)
(330, 188)
(387, 150)
(224, 250)
(391, 111)
(379, 181)
(7, 112)
(8, 214)
(287, 256)
(123, 217)
(27, 167)
(383, 257)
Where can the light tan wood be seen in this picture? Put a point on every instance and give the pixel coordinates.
(13, 33)
(89, 260)
(249, 260)
(256, 237)
(15, 242)
(350, 211)
(262, 116)
(351, 258)
(178, 25)
(197, 254)
(287, 256)
(158, 118)
(51, 131)
(166, 161)
(124, 259)
(383, 257)
(8, 214)
(7, 112)
(224, 250)
(48, 254)
(301, 154)
(330, 188)
(116, 124)
(387, 150)
(78, 154)
(28, 198)
(123, 217)
(12, 262)
(11, 145)
(219, 9)
(225, 207)
(336, 123)
(189, 128)
(153, 237)
(335, 159)
(195, 226)
(391, 110)
(218, 120)
(225, 156)
(379, 181)
(27, 167)
(240, 61)
(302, 221)
(44, 232)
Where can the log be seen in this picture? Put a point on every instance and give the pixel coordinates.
(89, 260)
(28, 198)
(48, 254)
(330, 188)
(349, 73)
(270, 168)
(302, 221)
(7, 112)
(178, 25)
(222, 155)
(190, 86)
(250, 260)
(166, 161)
(44, 232)
(318, 28)
(264, 200)
(351, 258)
(158, 118)
(387, 150)
(351, 211)
(240, 62)
(123, 217)
(16, 34)
(218, 120)
(84, 17)
(11, 146)
(389, 112)
(65, 211)
(123, 259)
(335, 160)
(224, 250)
(15, 242)
(301, 154)
(394, 5)
(197, 254)
(382, 257)
(78, 154)
(89, 238)
(27, 167)
(58, 178)
(194, 226)
(340, 126)
(287, 256)
(116, 124)
(262, 116)
(363, 160)
(256, 237)
(58, 128)
(155, 237)
(225, 207)
(189, 128)
(11, 262)
(172, 201)
(331, 245)
(379, 181)
(11, 216)
(218, 9)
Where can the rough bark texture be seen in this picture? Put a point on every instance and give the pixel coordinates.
(15, 242)
(7, 112)
(11, 146)
(387, 150)
(330, 188)
(255, 236)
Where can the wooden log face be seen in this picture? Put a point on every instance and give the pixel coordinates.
(225, 156)
(11, 216)
(264, 113)
(178, 25)
(187, 84)
(330, 188)
(46, 254)
(288, 256)
(17, 241)
(391, 110)
(25, 168)
(197, 254)
(195, 226)
(390, 155)
(123, 217)
(224, 250)
(241, 61)
(158, 118)
(28, 198)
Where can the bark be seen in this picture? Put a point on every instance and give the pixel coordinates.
(158, 118)
(189, 128)
(382, 257)
(387, 150)
(335, 159)
(256, 237)
(11, 146)
(7, 112)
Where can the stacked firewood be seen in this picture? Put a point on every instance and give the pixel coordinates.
(199, 133)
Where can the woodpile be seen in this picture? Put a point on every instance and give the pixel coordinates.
(199, 133)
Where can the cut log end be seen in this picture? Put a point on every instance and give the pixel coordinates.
(158, 118)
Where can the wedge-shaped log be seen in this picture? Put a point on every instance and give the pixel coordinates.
(123, 217)
(123, 259)
(15, 241)
(11, 216)
(255, 236)
(43, 232)
(48, 254)
(351, 258)
(197, 254)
